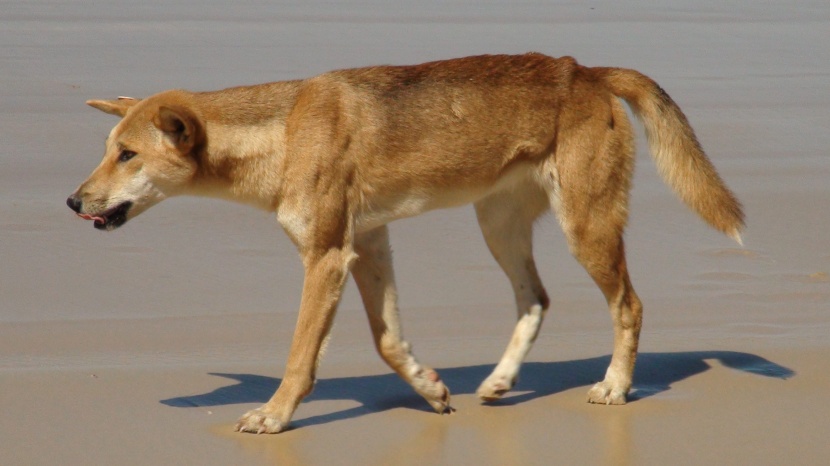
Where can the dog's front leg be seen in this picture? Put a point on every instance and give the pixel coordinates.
(325, 275)
(376, 281)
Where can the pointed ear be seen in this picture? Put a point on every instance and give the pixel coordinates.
(181, 125)
(114, 107)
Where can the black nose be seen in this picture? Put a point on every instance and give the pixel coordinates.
(74, 203)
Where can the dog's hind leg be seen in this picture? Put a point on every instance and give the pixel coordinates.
(593, 167)
(375, 279)
(604, 259)
(601, 251)
(506, 219)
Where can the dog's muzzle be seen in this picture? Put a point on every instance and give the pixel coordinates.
(107, 220)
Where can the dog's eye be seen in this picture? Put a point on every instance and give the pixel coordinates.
(126, 155)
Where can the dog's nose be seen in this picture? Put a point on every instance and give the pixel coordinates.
(74, 203)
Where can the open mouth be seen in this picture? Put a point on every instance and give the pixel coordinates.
(111, 219)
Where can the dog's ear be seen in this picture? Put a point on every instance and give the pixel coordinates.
(181, 125)
(117, 107)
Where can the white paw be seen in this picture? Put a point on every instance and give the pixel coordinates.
(259, 421)
(495, 386)
(605, 393)
(428, 384)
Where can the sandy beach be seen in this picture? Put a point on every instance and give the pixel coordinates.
(143, 346)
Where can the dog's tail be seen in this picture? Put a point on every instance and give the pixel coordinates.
(675, 149)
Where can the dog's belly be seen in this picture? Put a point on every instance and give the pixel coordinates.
(379, 210)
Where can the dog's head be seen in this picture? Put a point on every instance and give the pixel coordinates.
(150, 155)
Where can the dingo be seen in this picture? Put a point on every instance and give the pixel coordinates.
(340, 155)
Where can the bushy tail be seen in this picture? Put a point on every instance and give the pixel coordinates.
(680, 159)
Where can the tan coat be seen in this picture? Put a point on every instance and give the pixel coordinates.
(340, 155)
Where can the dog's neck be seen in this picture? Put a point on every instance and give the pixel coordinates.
(242, 159)
(243, 163)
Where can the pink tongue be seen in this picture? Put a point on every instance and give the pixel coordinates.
(90, 217)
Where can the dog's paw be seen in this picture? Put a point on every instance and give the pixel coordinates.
(604, 393)
(428, 384)
(494, 387)
(259, 421)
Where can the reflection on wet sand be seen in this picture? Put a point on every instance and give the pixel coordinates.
(616, 427)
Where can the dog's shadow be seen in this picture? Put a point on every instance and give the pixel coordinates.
(655, 373)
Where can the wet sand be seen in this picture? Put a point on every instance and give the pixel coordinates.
(143, 346)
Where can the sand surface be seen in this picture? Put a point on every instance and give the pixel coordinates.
(143, 346)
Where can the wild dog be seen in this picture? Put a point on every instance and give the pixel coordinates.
(340, 155)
